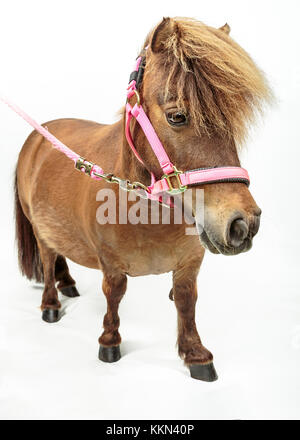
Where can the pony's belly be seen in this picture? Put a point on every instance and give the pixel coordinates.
(153, 254)
(139, 250)
(150, 263)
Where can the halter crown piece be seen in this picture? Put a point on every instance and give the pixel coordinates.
(172, 182)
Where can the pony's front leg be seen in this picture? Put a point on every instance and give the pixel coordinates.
(195, 355)
(114, 288)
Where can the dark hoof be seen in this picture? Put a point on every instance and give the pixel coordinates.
(204, 372)
(70, 291)
(51, 315)
(109, 354)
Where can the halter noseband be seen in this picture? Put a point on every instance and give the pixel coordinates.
(173, 181)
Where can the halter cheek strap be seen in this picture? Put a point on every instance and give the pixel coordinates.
(139, 114)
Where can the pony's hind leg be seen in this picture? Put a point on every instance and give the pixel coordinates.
(195, 355)
(66, 284)
(114, 287)
(50, 304)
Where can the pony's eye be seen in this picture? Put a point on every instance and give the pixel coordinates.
(176, 118)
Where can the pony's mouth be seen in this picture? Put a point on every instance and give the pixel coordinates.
(216, 247)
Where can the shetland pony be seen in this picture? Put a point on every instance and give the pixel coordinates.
(201, 91)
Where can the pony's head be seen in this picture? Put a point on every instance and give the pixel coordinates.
(201, 91)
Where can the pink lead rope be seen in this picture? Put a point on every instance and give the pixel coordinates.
(173, 180)
(47, 135)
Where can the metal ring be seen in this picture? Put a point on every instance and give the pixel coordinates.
(138, 98)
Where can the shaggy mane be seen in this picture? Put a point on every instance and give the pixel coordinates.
(212, 76)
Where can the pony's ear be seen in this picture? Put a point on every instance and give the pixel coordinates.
(225, 28)
(161, 34)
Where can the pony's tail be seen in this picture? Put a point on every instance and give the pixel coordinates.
(28, 252)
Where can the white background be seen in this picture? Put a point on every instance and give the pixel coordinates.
(72, 59)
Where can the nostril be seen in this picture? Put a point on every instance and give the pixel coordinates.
(257, 212)
(238, 231)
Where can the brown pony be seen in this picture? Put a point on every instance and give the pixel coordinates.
(201, 91)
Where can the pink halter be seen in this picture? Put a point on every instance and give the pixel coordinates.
(181, 179)
(172, 182)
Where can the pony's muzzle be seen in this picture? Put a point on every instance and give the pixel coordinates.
(237, 234)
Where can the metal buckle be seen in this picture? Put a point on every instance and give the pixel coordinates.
(176, 174)
(87, 166)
